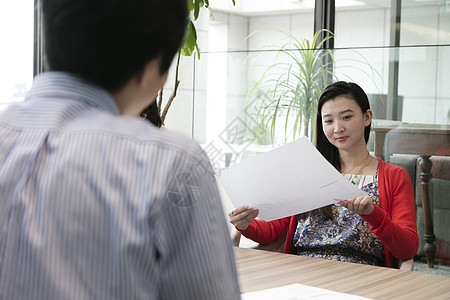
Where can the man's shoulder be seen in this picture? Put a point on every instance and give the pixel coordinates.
(168, 138)
(133, 133)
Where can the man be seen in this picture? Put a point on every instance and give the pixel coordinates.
(96, 203)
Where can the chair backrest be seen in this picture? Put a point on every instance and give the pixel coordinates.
(407, 265)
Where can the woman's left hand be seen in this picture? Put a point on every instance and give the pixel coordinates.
(360, 205)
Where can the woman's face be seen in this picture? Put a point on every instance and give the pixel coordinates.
(344, 123)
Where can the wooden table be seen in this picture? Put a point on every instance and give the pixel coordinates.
(259, 269)
(425, 141)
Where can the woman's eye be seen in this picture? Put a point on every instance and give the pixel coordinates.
(327, 121)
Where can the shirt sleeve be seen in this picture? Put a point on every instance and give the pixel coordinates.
(196, 258)
(264, 232)
(397, 230)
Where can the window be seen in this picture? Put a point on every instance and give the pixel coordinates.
(16, 53)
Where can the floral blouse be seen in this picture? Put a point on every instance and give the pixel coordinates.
(346, 238)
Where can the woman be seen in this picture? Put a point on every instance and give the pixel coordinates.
(370, 229)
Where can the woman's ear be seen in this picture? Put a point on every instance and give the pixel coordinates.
(367, 117)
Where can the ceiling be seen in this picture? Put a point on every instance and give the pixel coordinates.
(263, 7)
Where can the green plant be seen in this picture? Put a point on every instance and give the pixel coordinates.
(289, 90)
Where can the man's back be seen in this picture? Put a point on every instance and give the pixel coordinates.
(97, 205)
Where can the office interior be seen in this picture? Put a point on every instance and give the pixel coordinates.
(398, 51)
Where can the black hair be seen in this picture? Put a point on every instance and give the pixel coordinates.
(108, 42)
(151, 114)
(329, 151)
(344, 89)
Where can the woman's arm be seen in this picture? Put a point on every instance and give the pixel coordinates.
(397, 230)
(264, 232)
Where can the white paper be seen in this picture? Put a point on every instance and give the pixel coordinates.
(286, 181)
(298, 292)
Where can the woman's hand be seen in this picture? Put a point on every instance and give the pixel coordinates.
(242, 216)
(360, 205)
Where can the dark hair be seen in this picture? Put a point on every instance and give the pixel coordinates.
(328, 150)
(109, 42)
(151, 114)
(345, 89)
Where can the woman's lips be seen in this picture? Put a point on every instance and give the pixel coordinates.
(341, 139)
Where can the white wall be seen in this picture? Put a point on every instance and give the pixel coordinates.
(358, 29)
(423, 71)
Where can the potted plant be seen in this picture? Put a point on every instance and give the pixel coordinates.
(288, 91)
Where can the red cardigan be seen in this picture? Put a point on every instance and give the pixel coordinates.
(393, 221)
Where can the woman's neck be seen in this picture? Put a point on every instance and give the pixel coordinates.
(351, 160)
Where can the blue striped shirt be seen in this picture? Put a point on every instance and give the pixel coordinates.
(96, 205)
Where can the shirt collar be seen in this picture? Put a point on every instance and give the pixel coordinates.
(66, 85)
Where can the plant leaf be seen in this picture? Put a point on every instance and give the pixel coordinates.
(190, 5)
(189, 43)
(197, 4)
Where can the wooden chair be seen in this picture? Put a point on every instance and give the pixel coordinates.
(405, 265)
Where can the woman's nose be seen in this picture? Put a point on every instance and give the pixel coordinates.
(338, 128)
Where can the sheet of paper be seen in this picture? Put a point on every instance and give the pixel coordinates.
(298, 292)
(291, 179)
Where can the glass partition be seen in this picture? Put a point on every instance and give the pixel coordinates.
(225, 102)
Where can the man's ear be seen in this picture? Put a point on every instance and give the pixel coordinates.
(150, 73)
